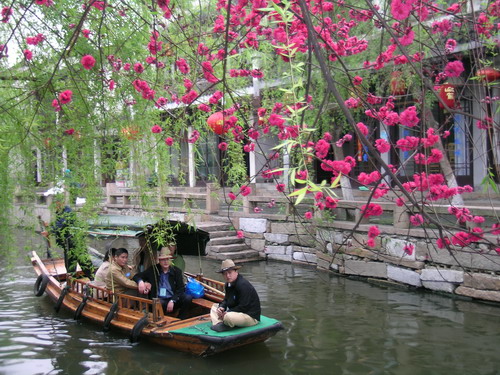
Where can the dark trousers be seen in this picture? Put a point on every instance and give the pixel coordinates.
(184, 305)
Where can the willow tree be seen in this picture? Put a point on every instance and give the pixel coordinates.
(81, 76)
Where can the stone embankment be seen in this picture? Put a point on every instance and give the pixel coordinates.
(474, 273)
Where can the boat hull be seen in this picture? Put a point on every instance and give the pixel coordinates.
(141, 318)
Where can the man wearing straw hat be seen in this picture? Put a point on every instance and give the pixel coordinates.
(241, 304)
(164, 281)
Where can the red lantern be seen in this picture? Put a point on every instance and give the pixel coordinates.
(448, 95)
(216, 123)
(398, 86)
(488, 74)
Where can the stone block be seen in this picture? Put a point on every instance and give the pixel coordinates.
(441, 279)
(257, 244)
(276, 238)
(404, 275)
(289, 228)
(441, 274)
(253, 225)
(325, 235)
(281, 250)
(304, 257)
(303, 240)
(328, 261)
(395, 247)
(362, 268)
(430, 253)
(488, 295)
(303, 249)
(488, 261)
(284, 258)
(254, 235)
(481, 281)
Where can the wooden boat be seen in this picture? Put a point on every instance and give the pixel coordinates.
(144, 318)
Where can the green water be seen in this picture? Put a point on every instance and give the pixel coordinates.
(333, 325)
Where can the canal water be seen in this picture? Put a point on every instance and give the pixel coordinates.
(333, 325)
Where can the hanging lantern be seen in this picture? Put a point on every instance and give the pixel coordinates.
(397, 84)
(488, 74)
(448, 95)
(216, 123)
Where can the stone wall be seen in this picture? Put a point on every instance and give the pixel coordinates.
(473, 273)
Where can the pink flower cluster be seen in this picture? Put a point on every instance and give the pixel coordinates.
(144, 89)
(367, 179)
(35, 40)
(371, 209)
(373, 232)
(88, 62)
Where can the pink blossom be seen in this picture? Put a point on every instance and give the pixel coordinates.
(401, 9)
(88, 62)
(409, 117)
(443, 242)
(308, 215)
(138, 68)
(371, 209)
(454, 69)
(495, 229)
(156, 129)
(183, 66)
(373, 231)
(204, 108)
(194, 136)
(408, 249)
(111, 85)
(245, 190)
(240, 234)
(55, 105)
(416, 220)
(70, 131)
(362, 128)
(222, 146)
(6, 13)
(169, 141)
(322, 148)
(367, 179)
(370, 242)
(257, 210)
(65, 96)
(86, 33)
(382, 145)
(357, 80)
(400, 202)
(232, 196)
(280, 187)
(126, 66)
(28, 55)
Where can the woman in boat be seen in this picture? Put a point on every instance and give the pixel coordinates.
(102, 272)
(119, 277)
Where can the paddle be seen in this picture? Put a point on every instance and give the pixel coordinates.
(43, 228)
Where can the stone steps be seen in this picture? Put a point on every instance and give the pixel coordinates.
(230, 248)
(224, 244)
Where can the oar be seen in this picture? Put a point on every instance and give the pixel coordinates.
(47, 240)
(212, 289)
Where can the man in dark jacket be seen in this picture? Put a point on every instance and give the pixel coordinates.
(241, 304)
(164, 281)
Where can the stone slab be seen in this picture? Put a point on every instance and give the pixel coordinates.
(280, 250)
(367, 269)
(481, 281)
(488, 295)
(254, 235)
(257, 244)
(253, 225)
(441, 274)
(404, 276)
(303, 239)
(289, 228)
(284, 258)
(305, 257)
(278, 238)
(303, 249)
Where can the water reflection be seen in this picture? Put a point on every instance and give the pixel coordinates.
(332, 325)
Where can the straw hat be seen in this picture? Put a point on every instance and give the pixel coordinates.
(165, 253)
(227, 265)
